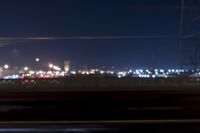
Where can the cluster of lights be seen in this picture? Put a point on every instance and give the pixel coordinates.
(122, 74)
(54, 67)
(110, 72)
(92, 72)
(15, 76)
(43, 74)
(55, 71)
(140, 73)
(157, 73)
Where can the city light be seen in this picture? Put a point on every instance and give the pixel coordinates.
(54, 67)
(54, 71)
(73, 72)
(37, 59)
(6, 66)
(26, 68)
(12, 77)
(102, 72)
(32, 72)
(50, 65)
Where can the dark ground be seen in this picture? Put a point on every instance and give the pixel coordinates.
(147, 110)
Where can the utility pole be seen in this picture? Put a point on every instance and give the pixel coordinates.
(189, 47)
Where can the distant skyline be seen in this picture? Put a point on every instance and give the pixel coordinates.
(137, 34)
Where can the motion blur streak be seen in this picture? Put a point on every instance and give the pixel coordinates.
(87, 37)
(7, 41)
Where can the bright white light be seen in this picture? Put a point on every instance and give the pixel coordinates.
(25, 68)
(92, 71)
(156, 73)
(141, 70)
(162, 71)
(130, 71)
(37, 59)
(102, 72)
(49, 73)
(122, 74)
(83, 72)
(62, 74)
(40, 72)
(137, 72)
(31, 72)
(57, 73)
(110, 72)
(55, 67)
(50, 65)
(119, 76)
(12, 77)
(73, 72)
(6, 66)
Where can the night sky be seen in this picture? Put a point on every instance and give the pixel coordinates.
(91, 18)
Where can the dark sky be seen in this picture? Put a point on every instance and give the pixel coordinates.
(75, 18)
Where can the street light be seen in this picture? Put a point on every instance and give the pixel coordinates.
(37, 59)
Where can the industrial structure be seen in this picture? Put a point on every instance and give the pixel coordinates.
(189, 34)
(66, 66)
